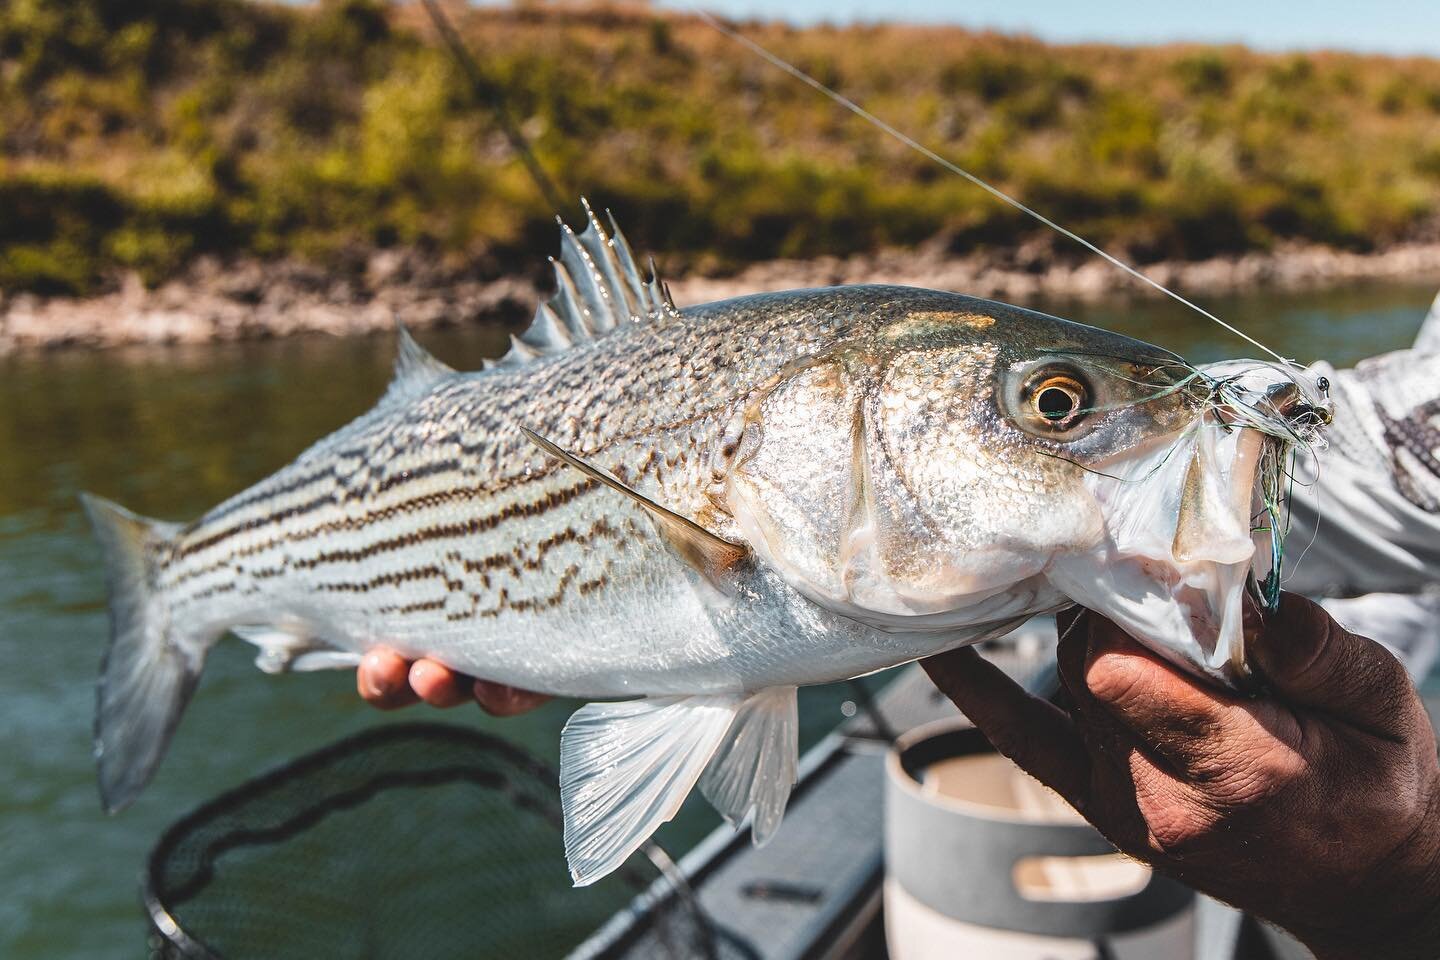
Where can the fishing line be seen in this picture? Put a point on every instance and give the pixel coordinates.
(995, 192)
(1319, 513)
(1110, 476)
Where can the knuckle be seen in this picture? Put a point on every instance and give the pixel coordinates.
(1246, 779)
(1182, 830)
(1177, 820)
(1114, 679)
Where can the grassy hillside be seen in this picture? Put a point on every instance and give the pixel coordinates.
(139, 135)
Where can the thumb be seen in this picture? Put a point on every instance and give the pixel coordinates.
(1310, 660)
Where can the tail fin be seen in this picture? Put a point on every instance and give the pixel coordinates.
(146, 679)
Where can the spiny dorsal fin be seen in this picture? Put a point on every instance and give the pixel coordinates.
(597, 288)
(712, 556)
(415, 369)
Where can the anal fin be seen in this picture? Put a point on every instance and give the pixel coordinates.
(755, 767)
(286, 649)
(625, 768)
(313, 660)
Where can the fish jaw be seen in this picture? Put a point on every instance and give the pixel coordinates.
(1188, 532)
(1172, 566)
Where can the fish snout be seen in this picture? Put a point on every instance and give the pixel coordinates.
(1287, 401)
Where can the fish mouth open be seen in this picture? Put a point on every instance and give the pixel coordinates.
(1257, 478)
(1194, 527)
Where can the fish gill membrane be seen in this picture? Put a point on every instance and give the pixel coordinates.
(840, 503)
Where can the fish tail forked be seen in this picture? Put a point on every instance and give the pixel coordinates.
(146, 678)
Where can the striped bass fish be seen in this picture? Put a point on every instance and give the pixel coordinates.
(679, 516)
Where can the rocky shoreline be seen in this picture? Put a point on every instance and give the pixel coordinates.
(216, 301)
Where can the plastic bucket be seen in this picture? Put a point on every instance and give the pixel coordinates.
(983, 861)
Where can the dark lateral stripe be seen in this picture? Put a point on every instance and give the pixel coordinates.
(516, 561)
(419, 473)
(464, 528)
(406, 476)
(504, 602)
(279, 516)
(228, 586)
(429, 500)
(301, 509)
(261, 493)
(474, 525)
(498, 486)
(419, 607)
(392, 579)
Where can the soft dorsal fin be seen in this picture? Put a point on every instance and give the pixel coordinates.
(415, 369)
(598, 287)
(710, 555)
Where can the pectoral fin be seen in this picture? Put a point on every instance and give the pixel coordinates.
(625, 768)
(703, 550)
(755, 767)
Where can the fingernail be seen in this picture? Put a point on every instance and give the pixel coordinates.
(373, 670)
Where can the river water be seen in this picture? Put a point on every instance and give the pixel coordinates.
(170, 432)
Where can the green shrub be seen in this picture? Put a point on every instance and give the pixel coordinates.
(1207, 73)
(139, 135)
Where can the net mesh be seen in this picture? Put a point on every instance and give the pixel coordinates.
(419, 840)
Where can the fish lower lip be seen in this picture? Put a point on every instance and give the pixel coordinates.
(1263, 593)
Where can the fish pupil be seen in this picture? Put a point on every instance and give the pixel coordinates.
(1054, 403)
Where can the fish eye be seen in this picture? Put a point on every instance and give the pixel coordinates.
(1058, 400)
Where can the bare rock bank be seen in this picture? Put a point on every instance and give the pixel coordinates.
(217, 301)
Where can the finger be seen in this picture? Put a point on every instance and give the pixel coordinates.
(437, 684)
(1110, 739)
(1308, 659)
(1036, 735)
(1193, 725)
(502, 701)
(383, 679)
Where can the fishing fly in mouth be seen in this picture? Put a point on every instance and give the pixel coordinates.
(682, 515)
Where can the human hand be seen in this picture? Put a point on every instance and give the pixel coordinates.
(387, 680)
(1316, 806)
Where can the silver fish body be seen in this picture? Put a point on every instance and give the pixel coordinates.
(887, 472)
(434, 527)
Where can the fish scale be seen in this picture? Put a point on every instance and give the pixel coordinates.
(452, 465)
(692, 512)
